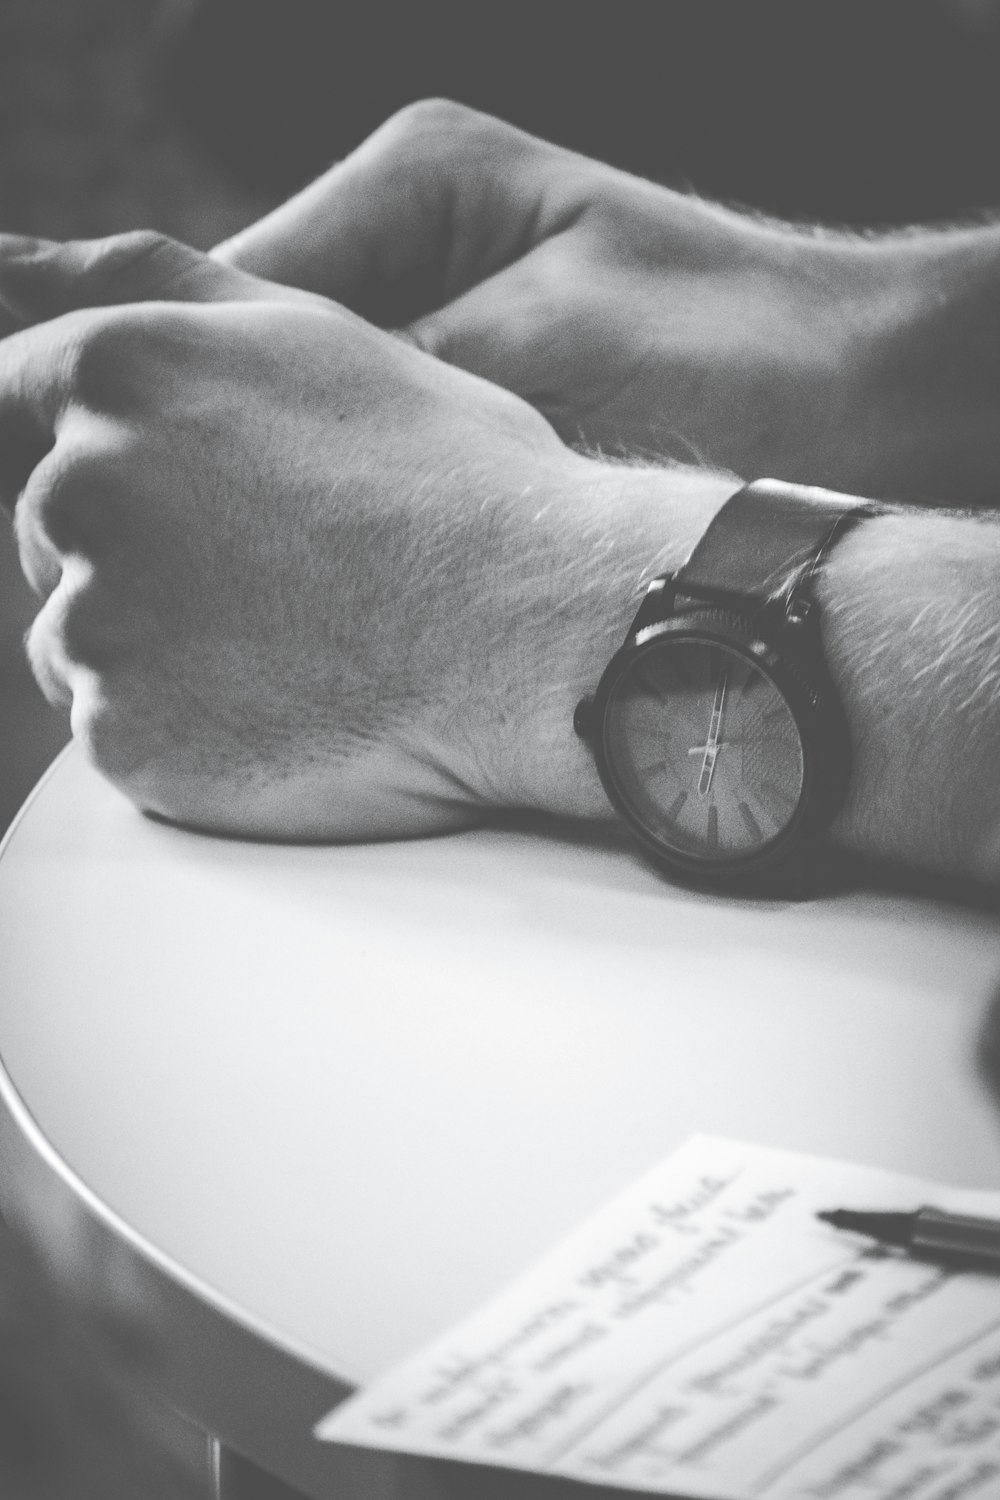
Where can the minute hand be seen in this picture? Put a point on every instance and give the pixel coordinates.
(711, 754)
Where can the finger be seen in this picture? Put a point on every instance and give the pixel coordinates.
(74, 500)
(42, 279)
(36, 385)
(439, 197)
(40, 562)
(46, 653)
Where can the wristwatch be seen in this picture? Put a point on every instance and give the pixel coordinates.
(716, 728)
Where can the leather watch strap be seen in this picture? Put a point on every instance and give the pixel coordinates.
(766, 540)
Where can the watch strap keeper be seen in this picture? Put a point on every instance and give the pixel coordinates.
(766, 541)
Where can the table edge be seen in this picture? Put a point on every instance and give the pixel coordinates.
(219, 1365)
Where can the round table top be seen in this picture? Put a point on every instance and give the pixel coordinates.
(336, 1096)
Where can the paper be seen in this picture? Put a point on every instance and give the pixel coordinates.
(705, 1335)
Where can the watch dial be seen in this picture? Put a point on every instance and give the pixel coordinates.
(704, 749)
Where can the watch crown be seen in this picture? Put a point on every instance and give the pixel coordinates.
(583, 718)
(798, 610)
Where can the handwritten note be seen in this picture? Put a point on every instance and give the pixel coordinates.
(705, 1335)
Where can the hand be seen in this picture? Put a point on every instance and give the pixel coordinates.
(639, 320)
(301, 579)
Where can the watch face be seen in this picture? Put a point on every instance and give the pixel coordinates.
(703, 750)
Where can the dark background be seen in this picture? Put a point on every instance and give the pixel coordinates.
(194, 116)
(862, 111)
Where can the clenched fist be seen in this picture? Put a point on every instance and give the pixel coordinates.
(300, 578)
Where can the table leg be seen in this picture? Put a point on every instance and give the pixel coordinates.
(236, 1478)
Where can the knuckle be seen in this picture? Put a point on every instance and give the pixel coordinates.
(45, 660)
(436, 119)
(39, 560)
(431, 114)
(99, 350)
(140, 254)
(439, 138)
(113, 358)
(111, 720)
(429, 335)
(75, 628)
(86, 636)
(123, 736)
(104, 733)
(70, 498)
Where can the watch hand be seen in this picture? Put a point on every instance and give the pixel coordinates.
(707, 770)
(714, 730)
(719, 745)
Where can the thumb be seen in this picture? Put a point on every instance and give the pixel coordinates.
(42, 279)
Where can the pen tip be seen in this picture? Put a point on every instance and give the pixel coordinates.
(889, 1228)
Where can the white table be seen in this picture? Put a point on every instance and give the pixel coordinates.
(304, 1106)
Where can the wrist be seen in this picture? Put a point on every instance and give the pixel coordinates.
(910, 635)
(921, 385)
(908, 619)
(608, 531)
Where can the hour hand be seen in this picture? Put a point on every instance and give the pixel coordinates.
(711, 747)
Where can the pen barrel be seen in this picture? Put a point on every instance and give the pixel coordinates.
(957, 1235)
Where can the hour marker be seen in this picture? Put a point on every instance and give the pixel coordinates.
(674, 809)
(713, 826)
(777, 794)
(753, 827)
(751, 682)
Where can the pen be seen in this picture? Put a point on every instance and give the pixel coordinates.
(927, 1231)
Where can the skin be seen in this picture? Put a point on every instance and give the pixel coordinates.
(645, 322)
(302, 577)
(298, 575)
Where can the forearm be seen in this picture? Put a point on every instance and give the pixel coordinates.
(921, 380)
(870, 364)
(910, 612)
(639, 319)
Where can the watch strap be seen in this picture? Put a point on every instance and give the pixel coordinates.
(766, 542)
